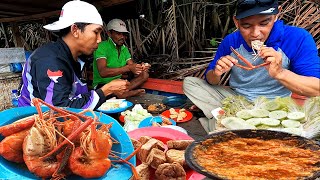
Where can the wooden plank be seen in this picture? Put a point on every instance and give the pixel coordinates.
(12, 55)
(164, 85)
(31, 17)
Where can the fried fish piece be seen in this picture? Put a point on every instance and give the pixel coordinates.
(167, 171)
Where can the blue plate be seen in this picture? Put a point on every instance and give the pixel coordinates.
(174, 101)
(9, 170)
(147, 122)
(117, 110)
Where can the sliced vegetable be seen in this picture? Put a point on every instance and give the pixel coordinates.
(244, 114)
(296, 115)
(270, 121)
(236, 123)
(259, 113)
(278, 114)
(263, 126)
(296, 131)
(271, 106)
(254, 121)
(291, 123)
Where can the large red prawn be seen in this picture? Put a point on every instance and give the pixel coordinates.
(49, 149)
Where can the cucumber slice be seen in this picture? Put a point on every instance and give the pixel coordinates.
(236, 123)
(278, 114)
(296, 115)
(291, 123)
(263, 126)
(259, 113)
(276, 128)
(254, 121)
(270, 106)
(244, 114)
(270, 121)
(296, 131)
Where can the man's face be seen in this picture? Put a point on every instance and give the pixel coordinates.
(117, 37)
(89, 38)
(257, 27)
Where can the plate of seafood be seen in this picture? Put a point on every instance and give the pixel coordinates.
(44, 142)
(156, 121)
(178, 115)
(114, 106)
(161, 153)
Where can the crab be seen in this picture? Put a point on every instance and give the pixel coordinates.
(256, 45)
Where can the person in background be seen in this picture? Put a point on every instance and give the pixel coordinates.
(112, 60)
(53, 71)
(294, 64)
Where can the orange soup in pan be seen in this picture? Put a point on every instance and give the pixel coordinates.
(255, 158)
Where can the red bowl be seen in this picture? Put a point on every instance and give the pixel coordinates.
(121, 118)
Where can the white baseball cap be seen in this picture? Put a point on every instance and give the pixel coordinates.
(75, 12)
(117, 25)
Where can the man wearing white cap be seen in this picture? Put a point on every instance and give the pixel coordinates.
(53, 71)
(112, 60)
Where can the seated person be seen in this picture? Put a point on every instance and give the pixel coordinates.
(53, 71)
(112, 60)
(291, 54)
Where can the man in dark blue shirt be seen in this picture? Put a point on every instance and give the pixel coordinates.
(53, 71)
(290, 52)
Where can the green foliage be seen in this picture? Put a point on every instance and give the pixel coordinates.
(214, 42)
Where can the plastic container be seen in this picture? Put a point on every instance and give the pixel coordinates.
(14, 98)
(15, 67)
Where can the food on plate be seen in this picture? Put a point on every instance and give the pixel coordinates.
(256, 158)
(174, 155)
(170, 171)
(155, 158)
(143, 171)
(157, 107)
(179, 144)
(278, 114)
(144, 139)
(171, 161)
(147, 147)
(113, 104)
(164, 122)
(180, 115)
(133, 118)
(64, 134)
(236, 123)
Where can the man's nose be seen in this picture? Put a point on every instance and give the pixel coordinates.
(255, 32)
(99, 38)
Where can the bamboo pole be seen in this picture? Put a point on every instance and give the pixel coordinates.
(130, 37)
(163, 41)
(175, 28)
(5, 35)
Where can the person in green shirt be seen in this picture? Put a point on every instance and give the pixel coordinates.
(112, 60)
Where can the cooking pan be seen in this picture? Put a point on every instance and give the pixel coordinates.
(247, 133)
